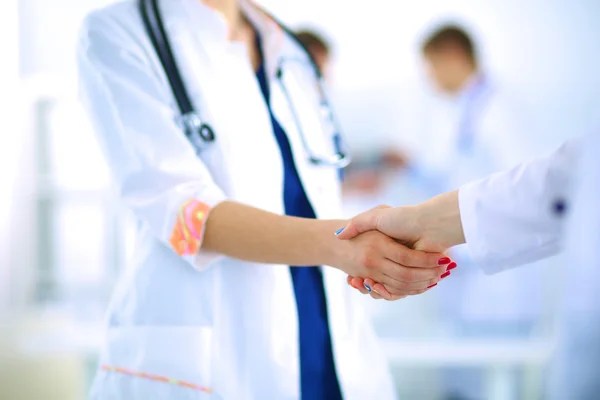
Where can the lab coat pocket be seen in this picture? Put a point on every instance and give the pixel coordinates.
(155, 362)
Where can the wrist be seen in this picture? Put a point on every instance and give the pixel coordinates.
(327, 247)
(439, 219)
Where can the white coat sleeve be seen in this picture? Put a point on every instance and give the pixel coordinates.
(509, 218)
(158, 174)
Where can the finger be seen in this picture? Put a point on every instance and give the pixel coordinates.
(385, 294)
(409, 292)
(415, 258)
(394, 287)
(375, 296)
(366, 221)
(406, 277)
(411, 280)
(408, 288)
(358, 284)
(368, 284)
(417, 292)
(395, 298)
(381, 290)
(356, 226)
(375, 293)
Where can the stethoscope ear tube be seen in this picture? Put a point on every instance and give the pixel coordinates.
(153, 23)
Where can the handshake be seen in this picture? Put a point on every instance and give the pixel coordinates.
(405, 247)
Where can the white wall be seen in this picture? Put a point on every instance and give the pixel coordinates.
(49, 33)
(9, 73)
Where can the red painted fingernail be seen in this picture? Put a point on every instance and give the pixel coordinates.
(447, 274)
(444, 261)
(429, 287)
(451, 266)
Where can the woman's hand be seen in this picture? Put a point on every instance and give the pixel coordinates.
(403, 271)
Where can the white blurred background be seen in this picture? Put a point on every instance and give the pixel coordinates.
(64, 240)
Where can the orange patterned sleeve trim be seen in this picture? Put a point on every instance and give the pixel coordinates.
(157, 378)
(186, 237)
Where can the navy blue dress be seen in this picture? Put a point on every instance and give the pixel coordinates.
(318, 379)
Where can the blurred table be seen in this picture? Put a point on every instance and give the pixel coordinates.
(499, 358)
(80, 339)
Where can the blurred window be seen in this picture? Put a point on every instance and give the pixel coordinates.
(83, 236)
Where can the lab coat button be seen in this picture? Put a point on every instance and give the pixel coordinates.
(559, 207)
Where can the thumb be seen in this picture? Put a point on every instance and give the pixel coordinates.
(364, 222)
(348, 232)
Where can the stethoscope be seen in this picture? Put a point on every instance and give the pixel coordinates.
(200, 133)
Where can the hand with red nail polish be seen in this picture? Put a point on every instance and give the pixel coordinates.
(378, 291)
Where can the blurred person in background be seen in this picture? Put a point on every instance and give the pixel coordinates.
(228, 298)
(318, 47)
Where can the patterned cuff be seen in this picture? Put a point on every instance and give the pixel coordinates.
(187, 234)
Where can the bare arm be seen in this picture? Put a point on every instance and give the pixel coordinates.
(250, 234)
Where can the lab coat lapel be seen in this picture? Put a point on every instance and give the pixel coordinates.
(271, 35)
(320, 183)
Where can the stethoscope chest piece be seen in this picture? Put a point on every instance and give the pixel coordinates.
(197, 132)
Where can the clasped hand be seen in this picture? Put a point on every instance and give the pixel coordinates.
(404, 259)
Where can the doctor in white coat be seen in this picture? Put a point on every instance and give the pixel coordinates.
(212, 308)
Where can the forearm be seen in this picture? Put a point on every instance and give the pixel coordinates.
(255, 235)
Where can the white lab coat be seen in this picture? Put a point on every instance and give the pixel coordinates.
(208, 320)
(510, 219)
(499, 136)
